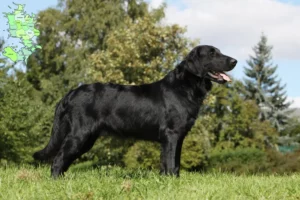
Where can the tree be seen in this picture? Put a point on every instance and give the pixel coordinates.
(20, 114)
(24, 120)
(2, 71)
(139, 52)
(235, 122)
(69, 34)
(263, 86)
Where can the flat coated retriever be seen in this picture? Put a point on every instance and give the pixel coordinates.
(163, 111)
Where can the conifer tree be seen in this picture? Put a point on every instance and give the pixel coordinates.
(263, 86)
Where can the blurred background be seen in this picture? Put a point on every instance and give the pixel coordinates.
(248, 126)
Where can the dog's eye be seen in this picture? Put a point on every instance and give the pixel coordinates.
(211, 53)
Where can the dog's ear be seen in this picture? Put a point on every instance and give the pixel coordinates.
(193, 62)
(194, 66)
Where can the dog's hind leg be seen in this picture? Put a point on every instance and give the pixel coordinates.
(74, 145)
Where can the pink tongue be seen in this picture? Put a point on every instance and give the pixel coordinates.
(225, 77)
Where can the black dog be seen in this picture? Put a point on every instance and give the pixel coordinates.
(162, 111)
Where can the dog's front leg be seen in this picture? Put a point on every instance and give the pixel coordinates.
(170, 153)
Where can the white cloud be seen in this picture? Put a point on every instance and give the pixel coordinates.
(296, 102)
(235, 26)
(155, 3)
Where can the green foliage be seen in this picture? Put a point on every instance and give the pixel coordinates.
(240, 160)
(194, 154)
(254, 161)
(292, 128)
(235, 122)
(139, 52)
(70, 33)
(143, 154)
(25, 121)
(20, 112)
(196, 146)
(280, 163)
(108, 151)
(289, 139)
(264, 88)
(2, 60)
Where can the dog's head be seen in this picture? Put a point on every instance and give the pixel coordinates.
(208, 62)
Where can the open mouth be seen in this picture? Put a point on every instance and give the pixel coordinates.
(219, 76)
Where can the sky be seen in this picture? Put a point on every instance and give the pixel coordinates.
(233, 26)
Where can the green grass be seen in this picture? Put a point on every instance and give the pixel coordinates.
(26, 182)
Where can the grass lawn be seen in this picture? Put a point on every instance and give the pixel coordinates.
(25, 182)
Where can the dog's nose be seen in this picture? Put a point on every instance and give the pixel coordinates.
(233, 62)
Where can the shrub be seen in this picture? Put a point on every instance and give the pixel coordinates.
(194, 154)
(240, 160)
(108, 150)
(143, 154)
(283, 163)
